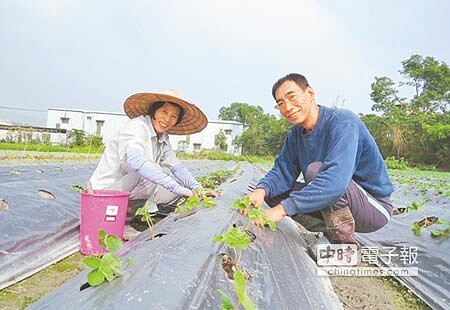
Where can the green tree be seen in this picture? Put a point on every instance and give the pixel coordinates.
(220, 141)
(431, 81)
(76, 137)
(414, 128)
(263, 134)
(242, 113)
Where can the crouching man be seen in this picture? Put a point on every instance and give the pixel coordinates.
(346, 186)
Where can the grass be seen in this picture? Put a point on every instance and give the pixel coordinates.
(20, 295)
(50, 148)
(403, 298)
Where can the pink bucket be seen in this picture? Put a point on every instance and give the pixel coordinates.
(103, 209)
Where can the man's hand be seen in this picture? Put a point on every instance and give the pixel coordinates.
(276, 213)
(256, 198)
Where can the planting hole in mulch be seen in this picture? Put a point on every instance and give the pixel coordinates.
(46, 194)
(250, 234)
(14, 171)
(156, 236)
(77, 188)
(428, 221)
(399, 211)
(230, 266)
(3, 205)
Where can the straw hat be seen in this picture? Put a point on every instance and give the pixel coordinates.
(193, 120)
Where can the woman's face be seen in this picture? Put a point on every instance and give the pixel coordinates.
(165, 117)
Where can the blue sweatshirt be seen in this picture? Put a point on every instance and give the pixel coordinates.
(348, 151)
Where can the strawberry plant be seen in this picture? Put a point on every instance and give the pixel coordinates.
(106, 266)
(236, 239)
(255, 214)
(146, 216)
(240, 286)
(440, 232)
(200, 198)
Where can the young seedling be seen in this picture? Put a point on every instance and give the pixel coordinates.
(146, 216)
(240, 286)
(190, 203)
(107, 266)
(213, 179)
(200, 198)
(236, 239)
(416, 227)
(255, 214)
(440, 232)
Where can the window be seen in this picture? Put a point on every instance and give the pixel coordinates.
(45, 138)
(99, 128)
(58, 125)
(228, 132)
(64, 120)
(88, 118)
(197, 147)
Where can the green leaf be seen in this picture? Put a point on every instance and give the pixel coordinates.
(241, 291)
(272, 225)
(113, 243)
(226, 302)
(110, 259)
(442, 221)
(107, 272)
(416, 228)
(209, 202)
(101, 239)
(130, 261)
(242, 204)
(95, 277)
(217, 238)
(141, 211)
(92, 261)
(235, 237)
(440, 232)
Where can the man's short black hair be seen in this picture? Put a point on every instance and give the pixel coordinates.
(157, 105)
(298, 79)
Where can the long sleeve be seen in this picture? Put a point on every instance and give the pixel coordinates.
(153, 172)
(185, 177)
(343, 144)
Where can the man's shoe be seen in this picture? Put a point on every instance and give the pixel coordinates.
(340, 225)
(311, 223)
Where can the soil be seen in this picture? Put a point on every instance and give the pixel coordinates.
(354, 292)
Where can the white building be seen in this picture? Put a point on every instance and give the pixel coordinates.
(32, 134)
(105, 125)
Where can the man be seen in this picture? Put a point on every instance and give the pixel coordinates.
(346, 186)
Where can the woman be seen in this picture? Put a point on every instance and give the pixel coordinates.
(133, 159)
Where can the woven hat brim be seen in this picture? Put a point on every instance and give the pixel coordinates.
(194, 120)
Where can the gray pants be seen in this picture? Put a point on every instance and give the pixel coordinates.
(369, 213)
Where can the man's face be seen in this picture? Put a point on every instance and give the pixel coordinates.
(165, 117)
(294, 103)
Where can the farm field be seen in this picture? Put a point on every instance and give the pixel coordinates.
(384, 293)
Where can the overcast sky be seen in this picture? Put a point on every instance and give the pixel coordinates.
(92, 55)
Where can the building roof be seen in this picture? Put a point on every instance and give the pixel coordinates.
(123, 114)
